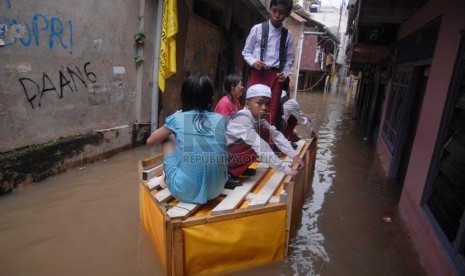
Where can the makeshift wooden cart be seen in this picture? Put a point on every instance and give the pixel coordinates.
(243, 228)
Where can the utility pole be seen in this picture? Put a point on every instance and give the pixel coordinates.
(340, 16)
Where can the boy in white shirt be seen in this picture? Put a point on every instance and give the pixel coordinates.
(291, 115)
(271, 58)
(245, 144)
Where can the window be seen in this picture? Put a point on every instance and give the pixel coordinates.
(414, 50)
(420, 45)
(396, 106)
(445, 193)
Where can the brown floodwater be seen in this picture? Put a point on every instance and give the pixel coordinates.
(86, 221)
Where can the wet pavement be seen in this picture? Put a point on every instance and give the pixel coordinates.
(86, 222)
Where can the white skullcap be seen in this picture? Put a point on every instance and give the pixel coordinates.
(258, 90)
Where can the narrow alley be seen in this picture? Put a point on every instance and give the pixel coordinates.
(85, 221)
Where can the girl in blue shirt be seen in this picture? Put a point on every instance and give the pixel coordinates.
(194, 145)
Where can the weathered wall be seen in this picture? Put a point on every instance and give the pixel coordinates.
(432, 253)
(440, 75)
(70, 89)
(67, 71)
(309, 52)
(203, 47)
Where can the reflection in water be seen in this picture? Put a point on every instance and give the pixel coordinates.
(308, 245)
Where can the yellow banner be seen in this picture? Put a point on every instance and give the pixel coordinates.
(169, 28)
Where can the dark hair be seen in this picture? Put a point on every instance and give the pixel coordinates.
(197, 94)
(288, 3)
(230, 81)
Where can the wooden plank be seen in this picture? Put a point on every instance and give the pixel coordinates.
(290, 192)
(163, 196)
(182, 210)
(283, 196)
(168, 246)
(227, 192)
(309, 164)
(156, 182)
(152, 172)
(239, 213)
(274, 199)
(178, 249)
(156, 159)
(235, 198)
(302, 146)
(262, 197)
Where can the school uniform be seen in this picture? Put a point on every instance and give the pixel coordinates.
(196, 171)
(292, 114)
(267, 76)
(245, 144)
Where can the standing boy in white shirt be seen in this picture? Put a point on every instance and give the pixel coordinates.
(272, 58)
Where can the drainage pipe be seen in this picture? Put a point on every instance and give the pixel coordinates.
(156, 62)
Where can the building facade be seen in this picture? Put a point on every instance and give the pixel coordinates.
(411, 62)
(77, 77)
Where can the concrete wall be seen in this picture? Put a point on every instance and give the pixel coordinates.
(70, 91)
(67, 70)
(69, 86)
(67, 67)
(431, 251)
(203, 47)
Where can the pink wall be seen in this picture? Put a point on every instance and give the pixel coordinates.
(430, 250)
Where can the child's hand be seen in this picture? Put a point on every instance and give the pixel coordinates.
(292, 172)
(280, 76)
(259, 65)
(298, 160)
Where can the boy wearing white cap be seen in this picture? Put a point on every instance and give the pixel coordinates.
(291, 114)
(244, 136)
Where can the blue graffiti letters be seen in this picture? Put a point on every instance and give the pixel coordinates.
(56, 30)
(35, 26)
(40, 28)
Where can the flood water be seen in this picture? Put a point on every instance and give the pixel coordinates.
(86, 222)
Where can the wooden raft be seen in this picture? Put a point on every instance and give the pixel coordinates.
(266, 191)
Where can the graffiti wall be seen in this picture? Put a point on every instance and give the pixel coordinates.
(66, 67)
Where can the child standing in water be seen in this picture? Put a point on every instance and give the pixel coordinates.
(194, 145)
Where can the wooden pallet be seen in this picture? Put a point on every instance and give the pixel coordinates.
(267, 190)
